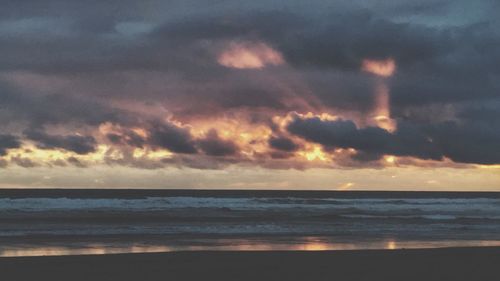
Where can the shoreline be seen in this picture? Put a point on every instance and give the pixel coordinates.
(468, 263)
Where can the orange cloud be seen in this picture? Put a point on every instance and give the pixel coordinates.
(384, 68)
(249, 56)
(381, 113)
(382, 110)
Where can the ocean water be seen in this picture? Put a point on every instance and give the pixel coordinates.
(57, 222)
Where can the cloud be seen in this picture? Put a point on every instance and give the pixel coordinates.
(74, 143)
(56, 108)
(372, 140)
(283, 144)
(77, 163)
(247, 55)
(330, 45)
(172, 137)
(23, 162)
(8, 142)
(127, 137)
(160, 75)
(463, 143)
(213, 145)
(468, 142)
(384, 68)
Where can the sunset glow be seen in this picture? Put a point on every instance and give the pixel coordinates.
(249, 140)
(249, 55)
(383, 68)
(354, 95)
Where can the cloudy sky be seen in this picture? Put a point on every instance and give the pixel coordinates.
(358, 94)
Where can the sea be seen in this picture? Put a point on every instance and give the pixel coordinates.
(41, 222)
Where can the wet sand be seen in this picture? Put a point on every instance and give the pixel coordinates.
(482, 263)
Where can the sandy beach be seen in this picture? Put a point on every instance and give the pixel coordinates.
(425, 264)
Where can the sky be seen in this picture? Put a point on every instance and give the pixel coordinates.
(337, 95)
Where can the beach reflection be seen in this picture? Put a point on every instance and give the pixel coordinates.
(89, 250)
(292, 244)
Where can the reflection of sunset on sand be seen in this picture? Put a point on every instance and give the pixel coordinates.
(90, 249)
(306, 244)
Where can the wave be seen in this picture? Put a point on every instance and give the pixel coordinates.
(263, 208)
(227, 215)
(186, 215)
(152, 203)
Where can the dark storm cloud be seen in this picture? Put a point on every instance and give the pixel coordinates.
(8, 142)
(164, 53)
(339, 36)
(470, 142)
(436, 64)
(213, 145)
(128, 137)
(304, 40)
(468, 74)
(486, 113)
(53, 8)
(333, 45)
(283, 144)
(174, 138)
(373, 140)
(16, 105)
(75, 143)
(71, 37)
(341, 90)
(337, 39)
(239, 25)
(362, 156)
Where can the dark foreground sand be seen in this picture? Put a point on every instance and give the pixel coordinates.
(475, 264)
